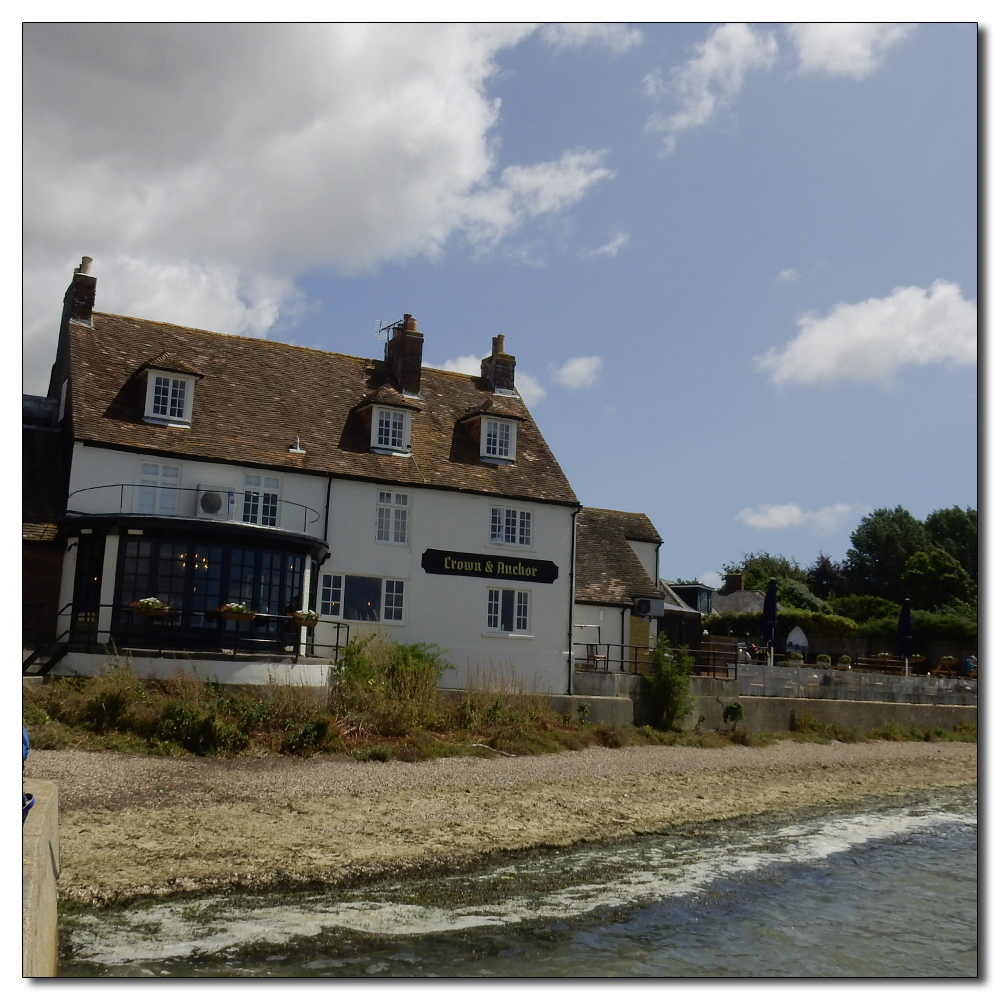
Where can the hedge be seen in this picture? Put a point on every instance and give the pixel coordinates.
(927, 626)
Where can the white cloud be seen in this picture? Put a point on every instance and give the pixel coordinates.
(578, 373)
(212, 164)
(868, 341)
(611, 248)
(789, 274)
(466, 364)
(529, 387)
(617, 37)
(853, 50)
(711, 80)
(824, 521)
(711, 579)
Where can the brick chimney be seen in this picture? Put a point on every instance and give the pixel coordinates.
(498, 368)
(78, 303)
(404, 353)
(733, 583)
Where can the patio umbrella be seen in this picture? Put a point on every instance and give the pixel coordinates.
(769, 626)
(904, 634)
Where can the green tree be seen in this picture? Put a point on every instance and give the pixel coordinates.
(668, 682)
(793, 594)
(957, 532)
(758, 567)
(881, 544)
(932, 579)
(826, 578)
(863, 607)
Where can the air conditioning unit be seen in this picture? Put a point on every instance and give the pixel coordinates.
(648, 607)
(216, 503)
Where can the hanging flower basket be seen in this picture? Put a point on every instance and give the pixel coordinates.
(885, 656)
(236, 612)
(150, 607)
(917, 659)
(305, 619)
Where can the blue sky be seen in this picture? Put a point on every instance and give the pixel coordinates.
(647, 212)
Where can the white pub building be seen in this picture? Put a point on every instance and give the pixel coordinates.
(205, 469)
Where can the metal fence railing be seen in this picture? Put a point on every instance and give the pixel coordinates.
(101, 627)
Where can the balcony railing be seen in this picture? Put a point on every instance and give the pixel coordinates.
(618, 657)
(103, 627)
(185, 502)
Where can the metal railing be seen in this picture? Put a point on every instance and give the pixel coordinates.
(151, 504)
(622, 657)
(102, 627)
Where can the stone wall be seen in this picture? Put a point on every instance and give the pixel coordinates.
(40, 869)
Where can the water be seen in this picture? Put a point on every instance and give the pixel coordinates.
(890, 890)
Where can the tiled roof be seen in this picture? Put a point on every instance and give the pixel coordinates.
(738, 602)
(607, 569)
(258, 395)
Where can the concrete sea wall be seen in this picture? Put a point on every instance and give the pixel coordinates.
(40, 869)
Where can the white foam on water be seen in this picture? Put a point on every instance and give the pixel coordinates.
(639, 875)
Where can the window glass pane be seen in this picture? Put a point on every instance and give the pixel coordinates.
(510, 527)
(362, 597)
(330, 595)
(178, 392)
(491, 437)
(251, 506)
(507, 611)
(171, 472)
(147, 499)
(161, 395)
(385, 497)
(493, 609)
(394, 600)
(270, 483)
(524, 529)
(382, 529)
(269, 509)
(496, 524)
(521, 620)
(148, 469)
(253, 480)
(503, 441)
(397, 430)
(399, 526)
(401, 499)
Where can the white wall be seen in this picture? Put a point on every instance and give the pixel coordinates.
(451, 610)
(646, 551)
(105, 467)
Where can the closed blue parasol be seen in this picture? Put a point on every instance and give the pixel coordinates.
(769, 626)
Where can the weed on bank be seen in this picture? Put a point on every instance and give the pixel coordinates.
(383, 703)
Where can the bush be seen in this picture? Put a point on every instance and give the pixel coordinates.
(926, 626)
(733, 713)
(864, 607)
(824, 660)
(816, 626)
(668, 682)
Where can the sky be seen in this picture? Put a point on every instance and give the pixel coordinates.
(736, 263)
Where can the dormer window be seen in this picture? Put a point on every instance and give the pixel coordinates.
(169, 397)
(500, 440)
(390, 431)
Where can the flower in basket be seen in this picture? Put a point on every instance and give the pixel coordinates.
(884, 656)
(949, 659)
(917, 658)
(150, 604)
(306, 617)
(236, 608)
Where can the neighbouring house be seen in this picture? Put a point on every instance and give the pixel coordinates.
(204, 469)
(617, 600)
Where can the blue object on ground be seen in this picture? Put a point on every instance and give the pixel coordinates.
(27, 801)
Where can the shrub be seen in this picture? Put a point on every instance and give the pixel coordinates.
(668, 682)
(823, 660)
(816, 626)
(733, 713)
(844, 660)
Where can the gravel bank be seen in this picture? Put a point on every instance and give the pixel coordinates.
(136, 826)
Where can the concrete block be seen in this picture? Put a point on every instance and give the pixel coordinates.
(610, 711)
